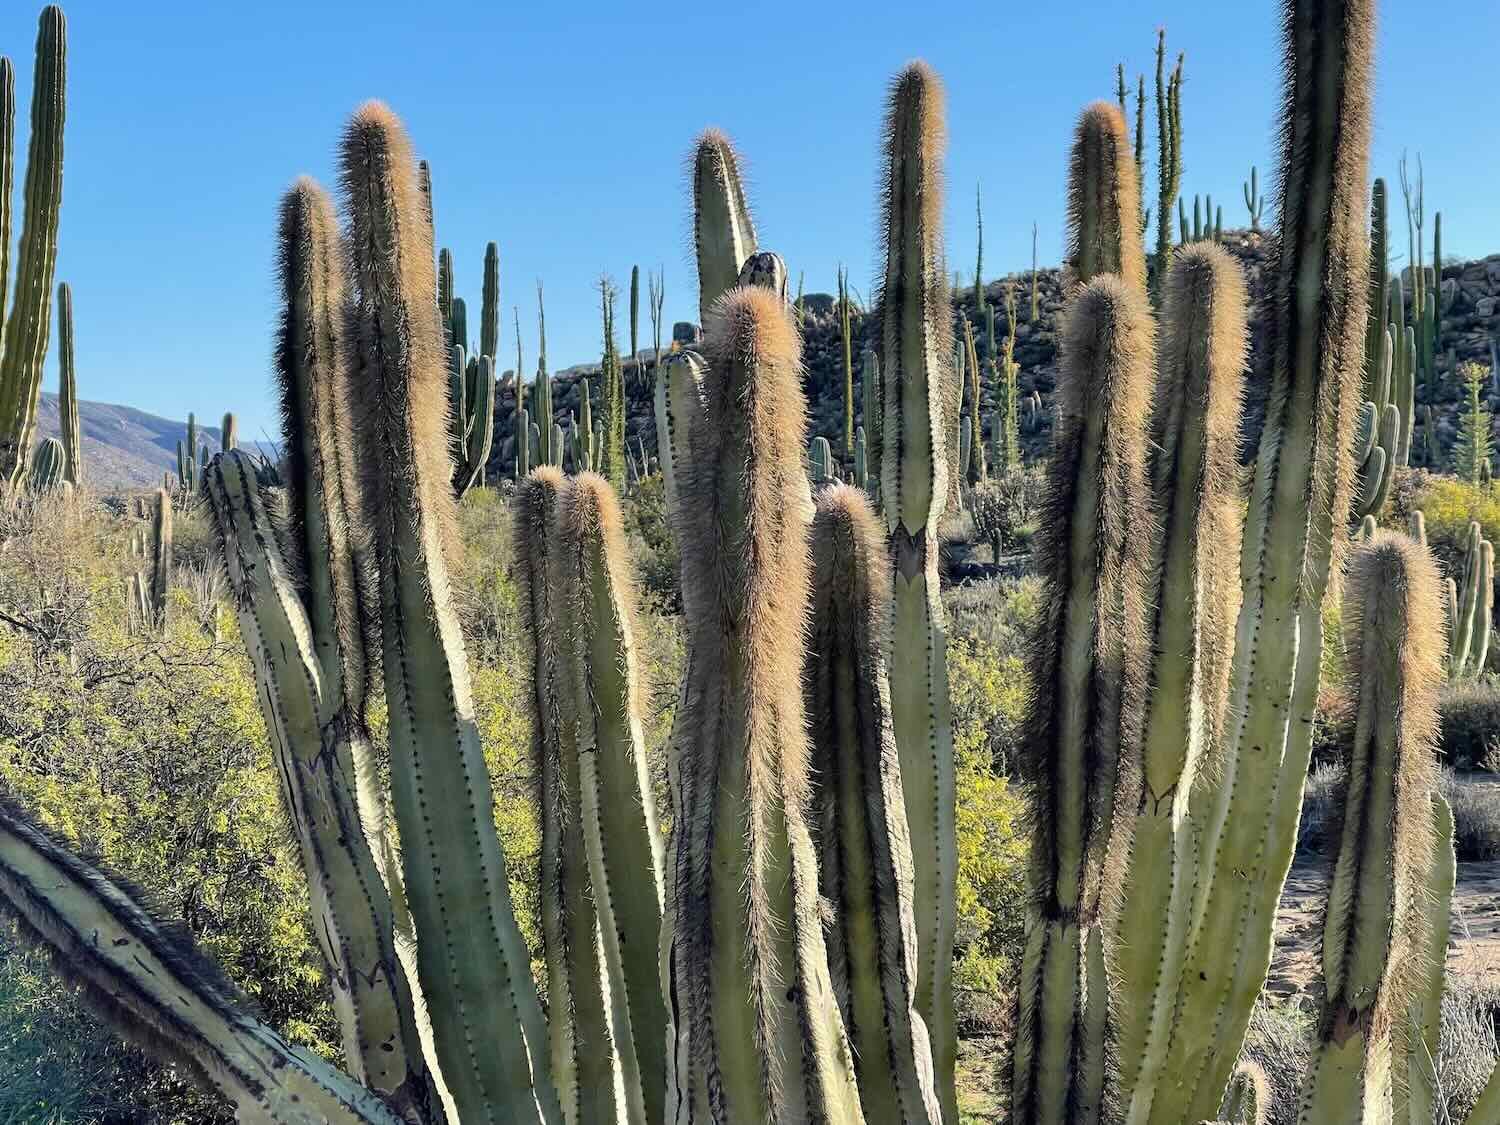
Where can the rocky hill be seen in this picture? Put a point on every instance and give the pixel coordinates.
(123, 447)
(1470, 321)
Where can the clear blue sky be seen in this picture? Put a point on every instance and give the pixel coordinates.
(559, 130)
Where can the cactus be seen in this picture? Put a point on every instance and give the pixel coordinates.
(1244, 818)
(1169, 158)
(1103, 200)
(541, 393)
(445, 293)
(678, 403)
(1374, 933)
(723, 232)
(599, 822)
(49, 467)
(1005, 426)
(229, 433)
(916, 341)
(1248, 1099)
(161, 562)
(1082, 715)
(436, 760)
(756, 1034)
(859, 815)
(1255, 202)
(1471, 607)
(23, 333)
(872, 412)
(1472, 450)
(523, 443)
(489, 309)
(820, 461)
(611, 459)
(846, 344)
(67, 388)
(1381, 307)
(635, 318)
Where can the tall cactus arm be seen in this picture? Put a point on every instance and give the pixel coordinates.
(67, 387)
(489, 307)
(621, 834)
(578, 1035)
(7, 175)
(679, 401)
(1298, 506)
(917, 343)
(746, 958)
(1088, 686)
(1195, 489)
(30, 319)
(1417, 1088)
(859, 813)
(474, 969)
(480, 388)
(723, 232)
(148, 982)
(316, 765)
(1375, 930)
(1104, 234)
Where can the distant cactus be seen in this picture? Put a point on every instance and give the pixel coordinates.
(1169, 155)
(23, 333)
(1473, 450)
(846, 345)
(67, 389)
(489, 309)
(1471, 607)
(1254, 202)
(161, 562)
(49, 467)
(820, 461)
(611, 453)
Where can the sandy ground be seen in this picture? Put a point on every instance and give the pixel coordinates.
(1473, 950)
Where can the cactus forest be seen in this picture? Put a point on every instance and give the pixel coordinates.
(831, 713)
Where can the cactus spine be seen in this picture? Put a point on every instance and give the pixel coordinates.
(1375, 929)
(23, 342)
(859, 815)
(918, 390)
(1103, 200)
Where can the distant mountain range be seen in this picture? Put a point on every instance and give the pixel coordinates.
(124, 447)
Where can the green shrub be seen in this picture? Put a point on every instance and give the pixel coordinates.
(1448, 505)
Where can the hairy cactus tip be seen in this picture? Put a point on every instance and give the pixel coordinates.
(1104, 199)
(723, 228)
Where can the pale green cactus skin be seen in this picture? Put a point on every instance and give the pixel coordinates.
(49, 467)
(1471, 607)
(820, 461)
(1417, 1089)
(1248, 1099)
(859, 813)
(473, 965)
(918, 388)
(678, 400)
(23, 341)
(1375, 932)
(723, 231)
(161, 992)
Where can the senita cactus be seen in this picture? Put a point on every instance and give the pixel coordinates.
(67, 388)
(723, 233)
(475, 977)
(1103, 200)
(916, 341)
(756, 1031)
(1090, 669)
(1374, 933)
(23, 333)
(859, 814)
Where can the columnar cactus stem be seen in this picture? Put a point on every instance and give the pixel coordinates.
(1375, 930)
(621, 835)
(723, 232)
(1089, 680)
(1194, 479)
(1248, 1099)
(24, 344)
(1416, 1087)
(917, 341)
(161, 560)
(679, 402)
(859, 813)
(154, 989)
(1299, 502)
(489, 309)
(757, 1033)
(1104, 200)
(49, 467)
(474, 969)
(582, 1062)
(872, 412)
(229, 433)
(67, 387)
